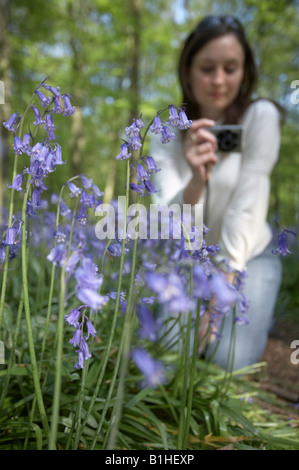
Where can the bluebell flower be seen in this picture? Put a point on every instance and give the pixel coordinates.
(90, 329)
(167, 135)
(139, 188)
(283, 243)
(173, 116)
(10, 238)
(53, 90)
(57, 255)
(82, 215)
(63, 208)
(135, 142)
(86, 275)
(223, 291)
(50, 123)
(58, 155)
(18, 146)
(73, 317)
(68, 108)
(72, 261)
(133, 130)
(77, 338)
(80, 363)
(184, 122)
(57, 108)
(152, 370)
(96, 191)
(91, 298)
(45, 100)
(26, 143)
(86, 182)
(142, 173)
(156, 127)
(38, 119)
(49, 163)
(149, 326)
(151, 165)
(149, 187)
(12, 121)
(75, 190)
(17, 183)
(124, 152)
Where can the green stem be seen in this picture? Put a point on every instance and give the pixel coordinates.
(124, 354)
(35, 372)
(192, 378)
(104, 361)
(58, 368)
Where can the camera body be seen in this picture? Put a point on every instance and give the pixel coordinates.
(228, 137)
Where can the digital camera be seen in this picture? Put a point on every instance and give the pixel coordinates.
(228, 137)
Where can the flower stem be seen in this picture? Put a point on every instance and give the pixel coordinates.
(35, 372)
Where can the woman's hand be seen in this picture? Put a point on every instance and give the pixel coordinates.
(200, 146)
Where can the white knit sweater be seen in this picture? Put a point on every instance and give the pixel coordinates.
(238, 189)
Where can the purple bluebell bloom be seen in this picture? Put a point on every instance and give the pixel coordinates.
(173, 116)
(96, 191)
(152, 370)
(75, 190)
(149, 187)
(26, 143)
(86, 182)
(82, 215)
(123, 154)
(58, 155)
(142, 173)
(45, 100)
(64, 209)
(90, 329)
(57, 109)
(77, 338)
(149, 326)
(91, 298)
(139, 188)
(184, 123)
(73, 261)
(73, 317)
(50, 123)
(57, 255)
(53, 90)
(86, 275)
(68, 108)
(17, 183)
(283, 243)
(167, 135)
(151, 165)
(38, 119)
(18, 146)
(12, 121)
(10, 238)
(80, 363)
(133, 130)
(49, 163)
(135, 142)
(156, 127)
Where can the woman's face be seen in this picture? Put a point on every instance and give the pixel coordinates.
(216, 74)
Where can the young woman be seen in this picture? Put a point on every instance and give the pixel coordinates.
(218, 75)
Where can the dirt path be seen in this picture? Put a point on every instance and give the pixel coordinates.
(282, 375)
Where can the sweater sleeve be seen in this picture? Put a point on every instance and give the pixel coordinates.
(244, 222)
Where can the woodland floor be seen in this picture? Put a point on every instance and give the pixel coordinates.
(282, 377)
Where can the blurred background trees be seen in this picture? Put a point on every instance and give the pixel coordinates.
(118, 59)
